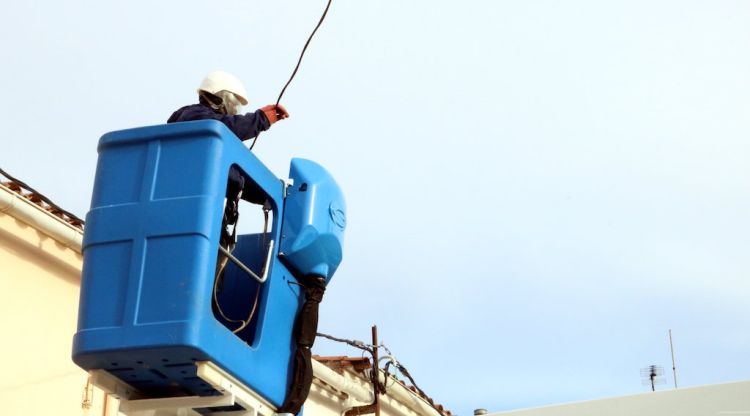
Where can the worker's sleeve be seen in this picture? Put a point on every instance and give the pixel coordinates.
(245, 126)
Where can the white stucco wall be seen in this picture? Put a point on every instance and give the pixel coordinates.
(39, 281)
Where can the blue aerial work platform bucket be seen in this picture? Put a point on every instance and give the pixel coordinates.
(147, 308)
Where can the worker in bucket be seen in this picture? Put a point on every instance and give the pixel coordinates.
(221, 97)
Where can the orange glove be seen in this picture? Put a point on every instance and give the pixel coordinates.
(275, 113)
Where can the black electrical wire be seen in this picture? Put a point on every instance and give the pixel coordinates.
(369, 348)
(352, 342)
(405, 372)
(296, 68)
(386, 375)
(42, 197)
(299, 61)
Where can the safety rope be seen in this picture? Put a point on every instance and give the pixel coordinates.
(299, 61)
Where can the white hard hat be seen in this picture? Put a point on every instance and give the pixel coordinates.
(223, 81)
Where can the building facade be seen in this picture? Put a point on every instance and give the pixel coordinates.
(40, 271)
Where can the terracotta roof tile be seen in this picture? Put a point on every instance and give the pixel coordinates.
(339, 363)
(38, 200)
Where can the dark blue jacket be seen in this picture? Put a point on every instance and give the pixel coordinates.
(245, 126)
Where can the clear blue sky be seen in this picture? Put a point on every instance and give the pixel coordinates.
(537, 190)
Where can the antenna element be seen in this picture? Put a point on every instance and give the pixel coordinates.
(652, 375)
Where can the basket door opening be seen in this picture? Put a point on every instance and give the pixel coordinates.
(237, 297)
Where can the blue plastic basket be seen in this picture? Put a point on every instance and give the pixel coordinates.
(150, 250)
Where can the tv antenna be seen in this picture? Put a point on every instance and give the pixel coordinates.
(652, 375)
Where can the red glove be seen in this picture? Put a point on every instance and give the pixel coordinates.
(275, 113)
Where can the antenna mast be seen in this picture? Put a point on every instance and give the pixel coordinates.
(674, 368)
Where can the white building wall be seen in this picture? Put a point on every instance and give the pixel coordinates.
(39, 281)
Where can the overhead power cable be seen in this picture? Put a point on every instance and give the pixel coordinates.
(299, 61)
(408, 375)
(392, 361)
(352, 342)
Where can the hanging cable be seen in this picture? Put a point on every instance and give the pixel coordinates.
(406, 373)
(391, 361)
(299, 61)
(352, 342)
